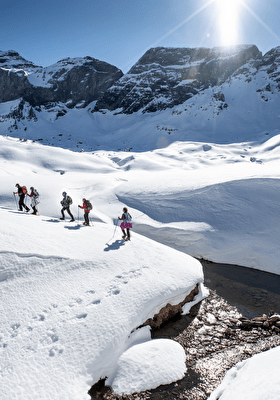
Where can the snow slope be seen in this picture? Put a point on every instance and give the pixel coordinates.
(219, 202)
(254, 379)
(249, 113)
(71, 298)
(72, 295)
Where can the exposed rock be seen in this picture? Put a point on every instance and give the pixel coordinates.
(169, 312)
(76, 81)
(162, 78)
(12, 60)
(211, 350)
(166, 314)
(12, 85)
(264, 322)
(165, 77)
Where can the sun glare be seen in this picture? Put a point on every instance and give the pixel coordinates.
(228, 11)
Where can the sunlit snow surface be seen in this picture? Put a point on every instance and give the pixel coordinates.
(153, 363)
(69, 301)
(71, 296)
(254, 379)
(218, 202)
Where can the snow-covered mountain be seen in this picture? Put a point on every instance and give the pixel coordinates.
(218, 95)
(74, 82)
(162, 78)
(201, 176)
(72, 296)
(165, 77)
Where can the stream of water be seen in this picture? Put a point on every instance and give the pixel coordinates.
(252, 291)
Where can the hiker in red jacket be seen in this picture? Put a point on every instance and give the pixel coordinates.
(87, 207)
(21, 195)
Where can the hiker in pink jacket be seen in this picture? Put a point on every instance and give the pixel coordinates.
(126, 224)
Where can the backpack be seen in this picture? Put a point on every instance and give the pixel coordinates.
(69, 200)
(24, 190)
(89, 206)
(128, 217)
(36, 194)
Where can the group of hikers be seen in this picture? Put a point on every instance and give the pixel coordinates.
(66, 201)
(21, 192)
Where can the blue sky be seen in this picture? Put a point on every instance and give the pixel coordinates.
(120, 31)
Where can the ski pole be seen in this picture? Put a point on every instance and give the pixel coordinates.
(78, 214)
(114, 232)
(91, 221)
(115, 229)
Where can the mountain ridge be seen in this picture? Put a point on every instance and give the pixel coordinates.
(174, 73)
(232, 95)
(71, 81)
(166, 77)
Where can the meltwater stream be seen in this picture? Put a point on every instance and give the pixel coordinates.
(252, 291)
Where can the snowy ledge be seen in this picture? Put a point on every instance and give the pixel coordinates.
(170, 311)
(147, 363)
(73, 302)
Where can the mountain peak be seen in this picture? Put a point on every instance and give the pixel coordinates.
(165, 77)
(14, 61)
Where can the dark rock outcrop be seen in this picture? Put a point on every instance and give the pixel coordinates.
(162, 78)
(213, 344)
(169, 312)
(12, 85)
(166, 77)
(77, 81)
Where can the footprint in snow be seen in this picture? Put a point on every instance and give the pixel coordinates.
(54, 351)
(90, 291)
(15, 328)
(81, 316)
(95, 302)
(75, 302)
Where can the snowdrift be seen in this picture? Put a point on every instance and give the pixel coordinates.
(217, 202)
(71, 300)
(253, 379)
(72, 296)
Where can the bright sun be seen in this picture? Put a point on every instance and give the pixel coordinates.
(228, 11)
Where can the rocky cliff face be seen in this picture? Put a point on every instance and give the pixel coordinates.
(270, 63)
(75, 82)
(162, 78)
(13, 75)
(165, 77)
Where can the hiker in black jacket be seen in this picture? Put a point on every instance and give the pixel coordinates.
(21, 192)
(66, 202)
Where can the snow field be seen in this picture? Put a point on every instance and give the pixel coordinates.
(246, 118)
(152, 362)
(227, 212)
(206, 183)
(253, 379)
(72, 295)
(69, 302)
